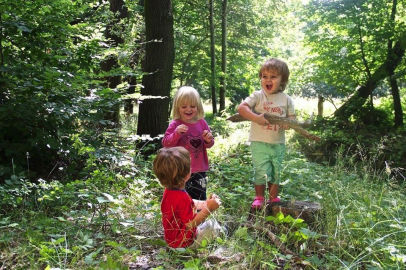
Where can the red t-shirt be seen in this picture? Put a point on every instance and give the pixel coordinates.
(177, 209)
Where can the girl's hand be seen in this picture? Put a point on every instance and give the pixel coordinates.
(207, 136)
(181, 129)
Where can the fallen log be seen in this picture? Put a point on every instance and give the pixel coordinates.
(273, 119)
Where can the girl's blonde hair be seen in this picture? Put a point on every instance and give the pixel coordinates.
(280, 66)
(187, 95)
(172, 166)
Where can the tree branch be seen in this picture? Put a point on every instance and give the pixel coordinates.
(273, 119)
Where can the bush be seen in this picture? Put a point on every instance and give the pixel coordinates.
(371, 131)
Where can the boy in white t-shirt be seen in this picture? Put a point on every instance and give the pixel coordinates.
(268, 140)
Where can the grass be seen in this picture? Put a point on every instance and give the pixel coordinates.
(111, 219)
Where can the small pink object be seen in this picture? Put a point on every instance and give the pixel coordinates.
(275, 200)
(258, 202)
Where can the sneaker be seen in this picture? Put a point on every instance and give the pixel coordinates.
(258, 202)
(274, 200)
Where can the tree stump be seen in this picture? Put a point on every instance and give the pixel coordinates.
(310, 212)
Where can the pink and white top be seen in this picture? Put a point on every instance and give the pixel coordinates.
(192, 140)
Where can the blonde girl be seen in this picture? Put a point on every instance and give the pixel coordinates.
(189, 129)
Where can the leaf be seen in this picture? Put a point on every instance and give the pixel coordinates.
(203, 243)
(110, 198)
(90, 256)
(102, 200)
(58, 241)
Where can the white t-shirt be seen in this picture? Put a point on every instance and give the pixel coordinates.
(279, 104)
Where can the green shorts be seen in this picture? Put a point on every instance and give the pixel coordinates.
(267, 161)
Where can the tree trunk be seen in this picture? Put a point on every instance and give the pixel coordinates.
(355, 103)
(212, 58)
(158, 66)
(397, 106)
(310, 212)
(396, 101)
(128, 103)
(320, 106)
(120, 11)
(223, 57)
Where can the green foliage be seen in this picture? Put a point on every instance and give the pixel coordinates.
(111, 217)
(51, 85)
(348, 41)
(369, 138)
(75, 195)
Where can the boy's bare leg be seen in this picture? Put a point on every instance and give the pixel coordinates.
(260, 190)
(259, 197)
(273, 191)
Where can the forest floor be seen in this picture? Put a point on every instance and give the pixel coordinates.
(111, 218)
(355, 207)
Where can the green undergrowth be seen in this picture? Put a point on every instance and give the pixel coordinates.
(111, 218)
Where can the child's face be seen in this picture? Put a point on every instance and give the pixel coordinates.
(271, 81)
(188, 113)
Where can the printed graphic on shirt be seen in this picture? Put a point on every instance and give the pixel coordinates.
(193, 143)
(274, 110)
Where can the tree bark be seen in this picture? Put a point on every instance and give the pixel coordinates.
(223, 76)
(355, 103)
(120, 11)
(397, 106)
(320, 106)
(273, 119)
(396, 101)
(212, 58)
(158, 67)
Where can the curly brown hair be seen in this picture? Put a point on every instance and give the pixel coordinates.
(280, 66)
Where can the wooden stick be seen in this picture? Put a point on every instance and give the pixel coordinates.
(274, 239)
(273, 119)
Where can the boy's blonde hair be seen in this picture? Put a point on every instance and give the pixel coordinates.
(172, 166)
(280, 66)
(187, 95)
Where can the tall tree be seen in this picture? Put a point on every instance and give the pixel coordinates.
(349, 41)
(113, 34)
(158, 67)
(212, 58)
(397, 106)
(357, 100)
(223, 76)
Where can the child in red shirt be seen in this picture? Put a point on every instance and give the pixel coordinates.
(179, 211)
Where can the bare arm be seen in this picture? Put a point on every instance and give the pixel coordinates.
(212, 204)
(245, 111)
(200, 204)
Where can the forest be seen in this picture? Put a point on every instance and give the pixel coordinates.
(86, 91)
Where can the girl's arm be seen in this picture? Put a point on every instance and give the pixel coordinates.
(171, 137)
(207, 136)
